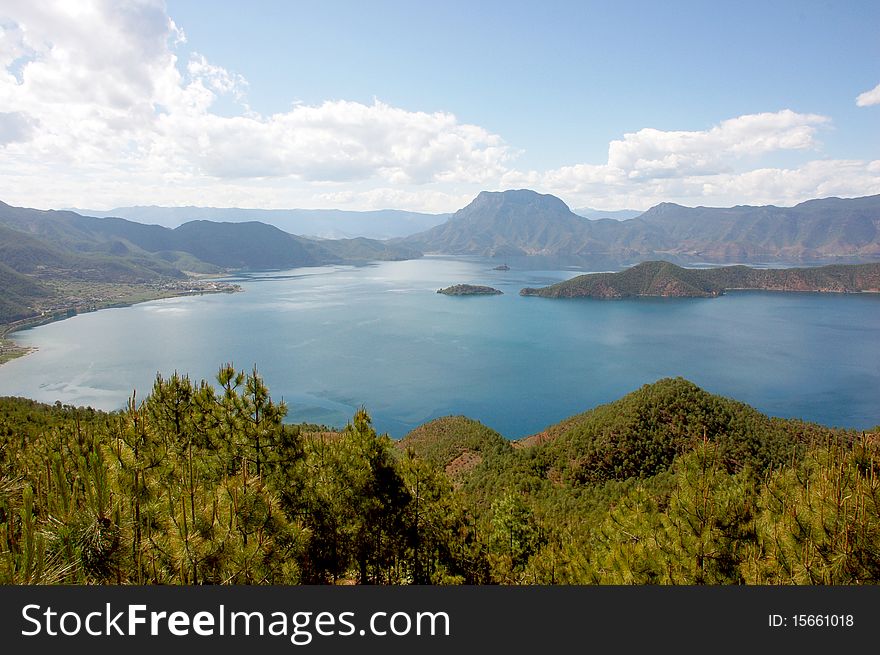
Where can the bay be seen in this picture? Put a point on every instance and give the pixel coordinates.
(328, 340)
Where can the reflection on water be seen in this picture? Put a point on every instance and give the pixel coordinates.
(333, 338)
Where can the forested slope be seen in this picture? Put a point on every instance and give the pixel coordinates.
(664, 279)
(204, 483)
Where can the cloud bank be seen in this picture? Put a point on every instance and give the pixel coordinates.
(97, 109)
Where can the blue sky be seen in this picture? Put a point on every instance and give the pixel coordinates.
(362, 105)
(558, 79)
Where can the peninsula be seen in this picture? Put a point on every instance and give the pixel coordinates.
(663, 279)
(63, 299)
(469, 290)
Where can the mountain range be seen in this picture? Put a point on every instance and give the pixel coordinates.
(39, 247)
(525, 223)
(31, 238)
(317, 223)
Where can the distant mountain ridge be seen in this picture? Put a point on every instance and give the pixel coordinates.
(509, 224)
(814, 230)
(616, 214)
(37, 247)
(248, 245)
(63, 245)
(664, 279)
(320, 223)
(525, 223)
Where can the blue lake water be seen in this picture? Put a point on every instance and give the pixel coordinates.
(330, 339)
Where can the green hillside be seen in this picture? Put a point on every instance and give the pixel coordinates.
(668, 485)
(456, 444)
(668, 280)
(647, 279)
(32, 255)
(241, 245)
(361, 250)
(641, 434)
(19, 292)
(63, 261)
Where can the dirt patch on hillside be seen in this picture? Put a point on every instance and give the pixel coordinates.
(465, 462)
(532, 440)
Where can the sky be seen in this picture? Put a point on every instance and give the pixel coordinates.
(422, 105)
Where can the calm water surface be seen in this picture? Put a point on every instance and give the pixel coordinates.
(330, 339)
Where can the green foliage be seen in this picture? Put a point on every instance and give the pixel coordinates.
(698, 534)
(354, 503)
(820, 522)
(659, 278)
(515, 537)
(444, 440)
(641, 434)
(204, 484)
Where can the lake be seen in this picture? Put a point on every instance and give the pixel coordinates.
(328, 340)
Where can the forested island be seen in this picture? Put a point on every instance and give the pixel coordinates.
(664, 279)
(205, 484)
(469, 290)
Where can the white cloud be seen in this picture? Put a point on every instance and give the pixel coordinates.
(216, 78)
(337, 141)
(713, 166)
(657, 153)
(780, 186)
(869, 98)
(102, 82)
(96, 110)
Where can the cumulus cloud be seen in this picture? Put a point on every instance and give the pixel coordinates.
(216, 78)
(766, 185)
(103, 82)
(869, 98)
(97, 108)
(338, 141)
(712, 166)
(658, 153)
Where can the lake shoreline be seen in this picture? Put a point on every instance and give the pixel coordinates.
(11, 350)
(330, 340)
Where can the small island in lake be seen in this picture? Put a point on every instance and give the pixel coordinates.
(666, 280)
(469, 290)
